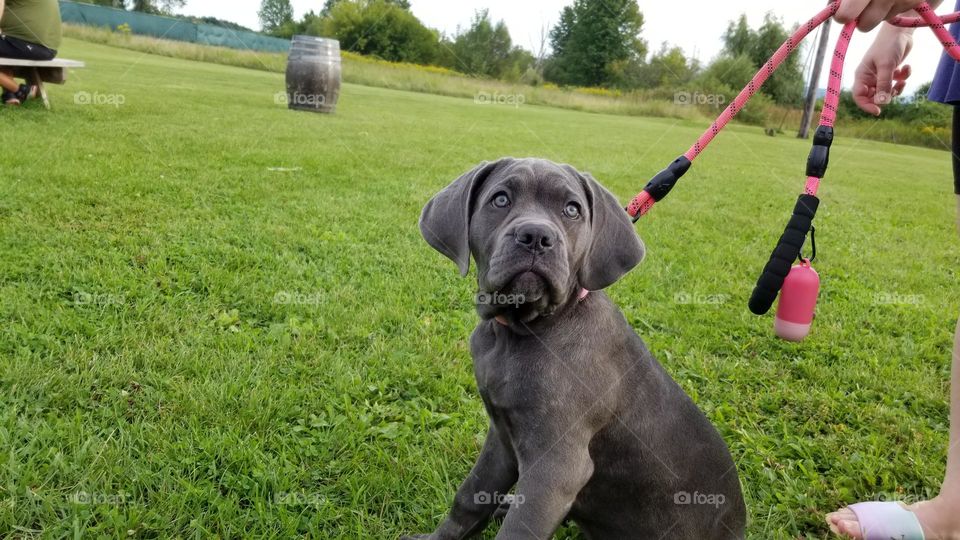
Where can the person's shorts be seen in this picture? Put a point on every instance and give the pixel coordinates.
(11, 47)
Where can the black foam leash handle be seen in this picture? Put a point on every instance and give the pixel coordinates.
(784, 255)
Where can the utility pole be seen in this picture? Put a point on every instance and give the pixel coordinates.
(811, 102)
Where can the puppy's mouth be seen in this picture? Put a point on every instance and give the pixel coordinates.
(523, 295)
(527, 287)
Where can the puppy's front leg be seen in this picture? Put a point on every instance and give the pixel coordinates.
(478, 497)
(553, 470)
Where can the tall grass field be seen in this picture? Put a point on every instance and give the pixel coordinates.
(219, 318)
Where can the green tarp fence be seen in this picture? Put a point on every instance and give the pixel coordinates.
(169, 27)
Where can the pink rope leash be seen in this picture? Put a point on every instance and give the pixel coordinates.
(662, 183)
(801, 222)
(759, 79)
(917, 22)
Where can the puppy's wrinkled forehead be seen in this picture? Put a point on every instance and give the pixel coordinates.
(535, 177)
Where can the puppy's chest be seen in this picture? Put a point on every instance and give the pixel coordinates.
(518, 371)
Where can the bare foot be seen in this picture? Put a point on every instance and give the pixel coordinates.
(939, 518)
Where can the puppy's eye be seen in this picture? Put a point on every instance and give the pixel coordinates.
(572, 210)
(501, 200)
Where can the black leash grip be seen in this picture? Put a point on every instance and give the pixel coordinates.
(658, 187)
(784, 255)
(661, 184)
(819, 157)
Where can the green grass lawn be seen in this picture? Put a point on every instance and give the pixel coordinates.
(196, 343)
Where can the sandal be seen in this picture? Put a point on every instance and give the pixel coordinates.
(886, 520)
(26, 92)
(10, 98)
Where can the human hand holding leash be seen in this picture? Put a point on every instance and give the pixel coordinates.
(881, 75)
(870, 13)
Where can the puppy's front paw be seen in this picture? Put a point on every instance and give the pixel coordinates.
(417, 537)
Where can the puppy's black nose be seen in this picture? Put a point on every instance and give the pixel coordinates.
(535, 237)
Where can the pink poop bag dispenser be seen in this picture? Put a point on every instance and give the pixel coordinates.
(798, 301)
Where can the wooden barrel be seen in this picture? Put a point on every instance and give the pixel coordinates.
(313, 74)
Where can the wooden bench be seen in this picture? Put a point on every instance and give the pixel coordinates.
(38, 72)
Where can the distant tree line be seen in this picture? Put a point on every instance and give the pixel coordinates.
(595, 43)
(165, 7)
(220, 22)
(156, 7)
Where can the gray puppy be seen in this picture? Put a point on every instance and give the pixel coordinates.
(584, 422)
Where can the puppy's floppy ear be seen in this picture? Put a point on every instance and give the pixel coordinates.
(615, 246)
(445, 221)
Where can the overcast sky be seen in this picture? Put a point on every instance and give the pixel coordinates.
(696, 26)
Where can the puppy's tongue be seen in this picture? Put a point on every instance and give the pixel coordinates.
(530, 285)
